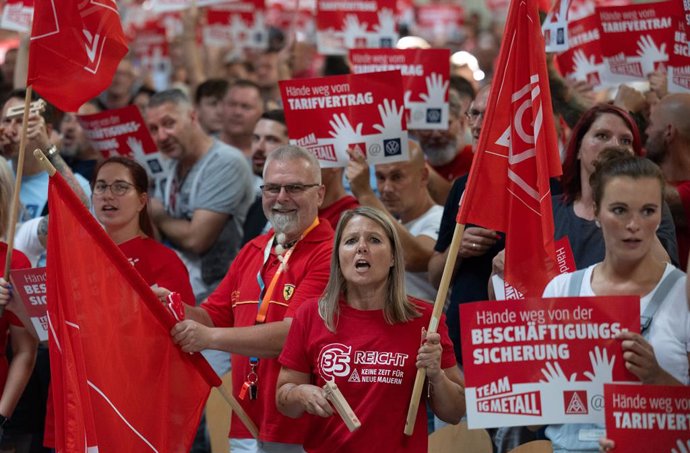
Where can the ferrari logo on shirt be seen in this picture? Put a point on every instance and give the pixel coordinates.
(288, 291)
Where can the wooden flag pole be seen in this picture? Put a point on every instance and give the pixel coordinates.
(433, 323)
(14, 207)
(237, 409)
(45, 163)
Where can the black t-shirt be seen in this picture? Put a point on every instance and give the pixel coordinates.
(471, 280)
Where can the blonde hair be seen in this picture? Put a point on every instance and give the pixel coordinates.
(397, 307)
(6, 192)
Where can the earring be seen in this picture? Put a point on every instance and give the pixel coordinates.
(596, 222)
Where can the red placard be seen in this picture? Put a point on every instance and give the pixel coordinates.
(440, 22)
(679, 63)
(16, 15)
(284, 13)
(164, 6)
(329, 114)
(30, 287)
(636, 414)
(583, 60)
(348, 24)
(424, 77)
(498, 7)
(122, 132)
(543, 361)
(150, 46)
(635, 39)
(242, 23)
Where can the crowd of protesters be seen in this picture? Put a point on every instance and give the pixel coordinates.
(238, 202)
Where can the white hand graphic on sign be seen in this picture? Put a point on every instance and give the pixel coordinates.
(342, 130)
(353, 30)
(136, 147)
(391, 117)
(435, 89)
(386, 25)
(683, 447)
(239, 28)
(555, 375)
(407, 96)
(647, 49)
(602, 368)
(584, 65)
(649, 53)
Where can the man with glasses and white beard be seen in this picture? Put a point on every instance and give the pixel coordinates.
(250, 312)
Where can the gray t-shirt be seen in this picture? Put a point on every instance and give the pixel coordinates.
(221, 181)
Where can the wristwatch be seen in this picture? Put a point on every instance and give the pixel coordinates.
(51, 151)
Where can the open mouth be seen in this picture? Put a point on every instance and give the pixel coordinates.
(108, 208)
(362, 265)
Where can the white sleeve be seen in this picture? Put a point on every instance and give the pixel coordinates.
(557, 286)
(26, 240)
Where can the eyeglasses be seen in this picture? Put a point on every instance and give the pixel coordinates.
(291, 189)
(474, 114)
(118, 188)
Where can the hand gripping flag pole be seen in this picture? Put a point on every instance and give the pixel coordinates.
(433, 323)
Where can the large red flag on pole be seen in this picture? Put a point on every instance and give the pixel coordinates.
(119, 383)
(508, 185)
(75, 48)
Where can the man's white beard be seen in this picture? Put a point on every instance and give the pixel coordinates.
(440, 156)
(283, 223)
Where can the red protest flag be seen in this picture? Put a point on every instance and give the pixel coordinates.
(119, 383)
(508, 186)
(75, 48)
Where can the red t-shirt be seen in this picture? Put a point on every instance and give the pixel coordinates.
(683, 235)
(373, 364)
(235, 304)
(457, 167)
(18, 261)
(159, 265)
(332, 213)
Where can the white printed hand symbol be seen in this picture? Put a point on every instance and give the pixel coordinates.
(391, 117)
(239, 28)
(554, 374)
(386, 25)
(353, 30)
(649, 53)
(407, 96)
(583, 65)
(601, 366)
(435, 89)
(136, 147)
(342, 130)
(683, 447)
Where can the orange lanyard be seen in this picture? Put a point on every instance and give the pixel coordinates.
(265, 297)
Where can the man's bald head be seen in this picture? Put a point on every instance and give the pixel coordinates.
(668, 129)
